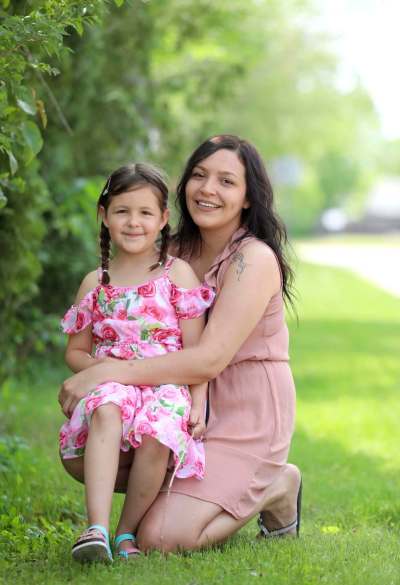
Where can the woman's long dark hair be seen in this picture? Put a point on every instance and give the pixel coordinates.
(260, 219)
(129, 178)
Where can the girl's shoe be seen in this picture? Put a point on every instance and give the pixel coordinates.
(285, 530)
(126, 554)
(92, 546)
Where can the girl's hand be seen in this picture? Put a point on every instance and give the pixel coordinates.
(197, 423)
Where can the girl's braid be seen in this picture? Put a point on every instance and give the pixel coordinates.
(165, 242)
(105, 253)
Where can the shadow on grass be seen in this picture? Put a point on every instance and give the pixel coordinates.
(357, 359)
(344, 490)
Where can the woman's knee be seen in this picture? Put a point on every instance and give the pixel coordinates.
(153, 536)
(163, 529)
(74, 467)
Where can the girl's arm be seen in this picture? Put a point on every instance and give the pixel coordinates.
(249, 283)
(78, 355)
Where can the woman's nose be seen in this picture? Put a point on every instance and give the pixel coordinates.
(208, 186)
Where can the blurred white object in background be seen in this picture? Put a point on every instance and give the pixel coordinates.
(334, 219)
(384, 199)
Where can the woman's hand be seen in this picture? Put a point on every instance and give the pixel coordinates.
(197, 423)
(76, 387)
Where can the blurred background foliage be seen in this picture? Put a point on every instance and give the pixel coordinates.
(88, 86)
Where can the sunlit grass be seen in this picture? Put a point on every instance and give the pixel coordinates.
(345, 358)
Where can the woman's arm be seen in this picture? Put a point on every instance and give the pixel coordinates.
(249, 283)
(183, 276)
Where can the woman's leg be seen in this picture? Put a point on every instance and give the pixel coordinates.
(180, 522)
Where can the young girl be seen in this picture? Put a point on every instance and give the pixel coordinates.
(141, 304)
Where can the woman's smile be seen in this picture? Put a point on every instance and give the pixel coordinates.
(216, 191)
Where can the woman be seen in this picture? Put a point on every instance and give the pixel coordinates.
(232, 238)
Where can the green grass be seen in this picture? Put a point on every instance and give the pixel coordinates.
(345, 358)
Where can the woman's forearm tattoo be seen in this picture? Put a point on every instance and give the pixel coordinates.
(238, 258)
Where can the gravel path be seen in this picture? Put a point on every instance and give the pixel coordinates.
(379, 264)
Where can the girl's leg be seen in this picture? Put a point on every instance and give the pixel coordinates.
(145, 480)
(180, 522)
(101, 462)
(75, 469)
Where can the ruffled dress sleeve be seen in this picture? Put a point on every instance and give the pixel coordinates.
(191, 303)
(78, 317)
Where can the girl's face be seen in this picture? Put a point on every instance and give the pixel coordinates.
(134, 220)
(216, 191)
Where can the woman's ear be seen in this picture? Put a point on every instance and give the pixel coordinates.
(246, 204)
(103, 215)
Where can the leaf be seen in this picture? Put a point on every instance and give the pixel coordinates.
(13, 163)
(33, 140)
(119, 2)
(26, 107)
(3, 199)
(78, 27)
(42, 112)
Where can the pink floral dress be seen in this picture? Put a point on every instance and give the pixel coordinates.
(135, 323)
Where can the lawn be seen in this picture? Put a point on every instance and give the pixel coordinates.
(345, 357)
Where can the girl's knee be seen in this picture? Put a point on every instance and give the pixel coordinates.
(152, 445)
(107, 413)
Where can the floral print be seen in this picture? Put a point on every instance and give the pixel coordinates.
(137, 323)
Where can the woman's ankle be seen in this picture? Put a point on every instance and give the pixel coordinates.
(281, 509)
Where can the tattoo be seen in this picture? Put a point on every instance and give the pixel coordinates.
(241, 264)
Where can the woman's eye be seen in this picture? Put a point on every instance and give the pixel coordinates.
(197, 174)
(227, 182)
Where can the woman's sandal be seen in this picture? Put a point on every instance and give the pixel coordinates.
(285, 530)
(92, 546)
(125, 554)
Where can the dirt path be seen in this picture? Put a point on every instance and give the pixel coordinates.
(380, 264)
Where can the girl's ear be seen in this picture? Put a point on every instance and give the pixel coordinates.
(164, 218)
(103, 215)
(246, 204)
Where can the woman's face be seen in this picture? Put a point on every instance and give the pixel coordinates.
(216, 192)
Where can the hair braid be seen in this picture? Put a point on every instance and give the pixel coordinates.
(165, 242)
(105, 253)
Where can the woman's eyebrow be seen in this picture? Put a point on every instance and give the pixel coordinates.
(218, 172)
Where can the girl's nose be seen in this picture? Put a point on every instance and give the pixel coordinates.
(133, 219)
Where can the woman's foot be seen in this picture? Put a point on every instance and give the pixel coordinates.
(92, 546)
(125, 546)
(281, 517)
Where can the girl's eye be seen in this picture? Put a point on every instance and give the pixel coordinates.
(227, 182)
(121, 211)
(197, 174)
(147, 213)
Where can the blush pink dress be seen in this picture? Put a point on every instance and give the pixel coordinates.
(252, 410)
(139, 322)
